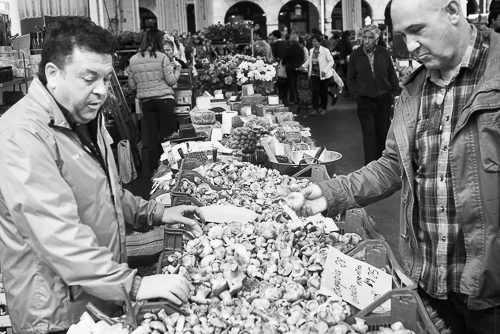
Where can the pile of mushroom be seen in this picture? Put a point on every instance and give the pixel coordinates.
(261, 276)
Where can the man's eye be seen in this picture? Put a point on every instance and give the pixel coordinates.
(88, 79)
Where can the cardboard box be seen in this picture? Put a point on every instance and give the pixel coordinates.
(255, 98)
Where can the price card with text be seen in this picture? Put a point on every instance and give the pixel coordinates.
(356, 282)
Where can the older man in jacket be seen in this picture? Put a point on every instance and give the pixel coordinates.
(442, 151)
(372, 80)
(63, 212)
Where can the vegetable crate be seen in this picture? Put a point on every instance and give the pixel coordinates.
(379, 254)
(181, 197)
(406, 306)
(173, 241)
(357, 221)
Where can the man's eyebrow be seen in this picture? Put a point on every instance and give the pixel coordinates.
(414, 26)
(88, 71)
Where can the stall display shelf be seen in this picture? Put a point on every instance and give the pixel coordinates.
(406, 306)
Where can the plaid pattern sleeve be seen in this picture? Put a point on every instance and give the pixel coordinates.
(439, 235)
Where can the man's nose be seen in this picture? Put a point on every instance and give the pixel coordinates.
(101, 88)
(412, 44)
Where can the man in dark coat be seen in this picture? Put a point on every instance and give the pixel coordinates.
(372, 80)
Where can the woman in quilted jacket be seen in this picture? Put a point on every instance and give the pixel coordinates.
(154, 73)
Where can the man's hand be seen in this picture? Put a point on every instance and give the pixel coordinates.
(315, 201)
(184, 214)
(175, 288)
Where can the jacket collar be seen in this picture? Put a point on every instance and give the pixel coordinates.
(40, 95)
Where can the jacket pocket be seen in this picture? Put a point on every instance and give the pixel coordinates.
(488, 127)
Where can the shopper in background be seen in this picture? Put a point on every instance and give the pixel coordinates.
(344, 48)
(320, 68)
(154, 73)
(494, 20)
(279, 48)
(372, 80)
(293, 59)
(442, 152)
(63, 212)
(306, 52)
(262, 48)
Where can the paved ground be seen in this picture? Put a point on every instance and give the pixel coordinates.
(338, 130)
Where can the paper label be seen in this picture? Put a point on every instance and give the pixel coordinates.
(296, 220)
(355, 281)
(279, 149)
(330, 225)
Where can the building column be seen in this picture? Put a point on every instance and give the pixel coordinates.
(351, 13)
(175, 15)
(204, 13)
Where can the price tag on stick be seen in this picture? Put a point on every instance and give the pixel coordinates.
(355, 281)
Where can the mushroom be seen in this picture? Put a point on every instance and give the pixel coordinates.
(285, 268)
(201, 295)
(219, 284)
(360, 326)
(157, 325)
(298, 270)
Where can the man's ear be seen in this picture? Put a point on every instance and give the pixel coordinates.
(453, 10)
(52, 73)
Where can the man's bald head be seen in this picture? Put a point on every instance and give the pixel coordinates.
(435, 31)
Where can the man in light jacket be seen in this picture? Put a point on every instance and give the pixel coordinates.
(442, 152)
(63, 212)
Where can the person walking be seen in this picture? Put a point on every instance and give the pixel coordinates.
(442, 153)
(320, 68)
(373, 82)
(344, 49)
(279, 49)
(293, 59)
(63, 211)
(154, 73)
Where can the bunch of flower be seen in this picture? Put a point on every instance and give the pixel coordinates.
(257, 71)
(226, 71)
(253, 70)
(229, 31)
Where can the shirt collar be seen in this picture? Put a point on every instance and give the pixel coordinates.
(470, 58)
(65, 112)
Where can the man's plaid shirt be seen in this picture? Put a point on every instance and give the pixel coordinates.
(439, 235)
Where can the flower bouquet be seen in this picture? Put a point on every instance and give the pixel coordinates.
(258, 72)
(226, 72)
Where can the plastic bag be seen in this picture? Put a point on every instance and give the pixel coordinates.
(128, 173)
(281, 71)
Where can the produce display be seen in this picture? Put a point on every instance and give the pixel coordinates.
(242, 139)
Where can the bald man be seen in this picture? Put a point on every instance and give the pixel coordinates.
(443, 152)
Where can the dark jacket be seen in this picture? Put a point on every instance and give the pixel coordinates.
(344, 48)
(279, 49)
(294, 57)
(475, 171)
(360, 78)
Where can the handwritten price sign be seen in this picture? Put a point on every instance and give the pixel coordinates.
(356, 282)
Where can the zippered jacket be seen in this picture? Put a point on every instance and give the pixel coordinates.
(62, 221)
(361, 80)
(475, 171)
(153, 77)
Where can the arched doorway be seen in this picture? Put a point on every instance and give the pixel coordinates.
(337, 20)
(148, 18)
(298, 16)
(472, 7)
(246, 10)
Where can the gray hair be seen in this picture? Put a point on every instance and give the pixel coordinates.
(371, 28)
(294, 39)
